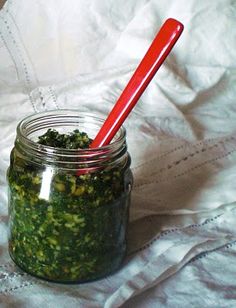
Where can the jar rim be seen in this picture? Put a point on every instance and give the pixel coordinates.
(52, 114)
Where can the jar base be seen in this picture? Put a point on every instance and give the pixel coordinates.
(76, 281)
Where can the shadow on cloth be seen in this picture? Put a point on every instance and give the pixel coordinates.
(171, 191)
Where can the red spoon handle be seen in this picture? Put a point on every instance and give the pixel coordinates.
(155, 56)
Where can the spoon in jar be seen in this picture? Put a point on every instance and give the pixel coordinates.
(153, 59)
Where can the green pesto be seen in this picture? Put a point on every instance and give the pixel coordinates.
(76, 234)
(74, 140)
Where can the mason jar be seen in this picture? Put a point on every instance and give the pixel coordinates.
(68, 208)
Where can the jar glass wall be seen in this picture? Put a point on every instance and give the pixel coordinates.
(68, 209)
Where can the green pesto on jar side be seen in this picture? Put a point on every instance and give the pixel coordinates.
(76, 230)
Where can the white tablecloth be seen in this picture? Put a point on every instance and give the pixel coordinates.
(181, 136)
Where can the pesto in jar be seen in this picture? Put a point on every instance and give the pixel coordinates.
(66, 227)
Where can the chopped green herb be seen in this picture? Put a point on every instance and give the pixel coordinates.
(74, 140)
(76, 232)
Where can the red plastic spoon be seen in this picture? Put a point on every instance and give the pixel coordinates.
(153, 59)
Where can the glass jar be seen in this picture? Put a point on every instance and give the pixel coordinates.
(68, 209)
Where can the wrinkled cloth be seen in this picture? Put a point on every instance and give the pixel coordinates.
(181, 136)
